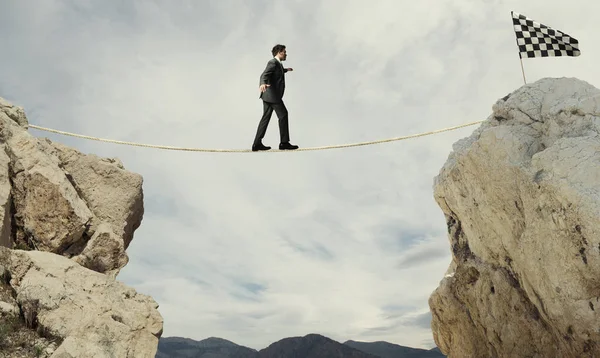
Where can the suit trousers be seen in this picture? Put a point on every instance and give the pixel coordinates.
(282, 114)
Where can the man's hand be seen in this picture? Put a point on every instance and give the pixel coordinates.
(289, 69)
(263, 87)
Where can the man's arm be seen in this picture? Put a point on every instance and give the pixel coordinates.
(266, 75)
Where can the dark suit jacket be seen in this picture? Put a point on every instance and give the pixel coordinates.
(274, 75)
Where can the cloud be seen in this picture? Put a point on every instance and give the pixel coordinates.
(422, 320)
(253, 248)
(312, 250)
(422, 252)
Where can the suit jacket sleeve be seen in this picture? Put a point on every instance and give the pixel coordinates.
(266, 75)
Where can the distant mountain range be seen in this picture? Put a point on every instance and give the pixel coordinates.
(309, 346)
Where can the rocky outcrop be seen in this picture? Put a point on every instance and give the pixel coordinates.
(66, 220)
(521, 197)
(83, 312)
(56, 199)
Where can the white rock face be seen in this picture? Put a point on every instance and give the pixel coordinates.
(56, 199)
(66, 219)
(521, 197)
(5, 201)
(91, 313)
(48, 211)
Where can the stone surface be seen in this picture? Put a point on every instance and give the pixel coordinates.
(14, 113)
(5, 200)
(8, 309)
(54, 198)
(521, 197)
(104, 252)
(112, 193)
(16, 339)
(49, 214)
(91, 314)
(68, 217)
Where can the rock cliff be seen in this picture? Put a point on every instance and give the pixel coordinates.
(78, 312)
(521, 197)
(56, 199)
(66, 219)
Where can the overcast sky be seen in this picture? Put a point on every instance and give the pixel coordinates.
(255, 247)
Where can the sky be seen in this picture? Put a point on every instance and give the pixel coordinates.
(255, 247)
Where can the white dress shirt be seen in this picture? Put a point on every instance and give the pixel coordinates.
(281, 63)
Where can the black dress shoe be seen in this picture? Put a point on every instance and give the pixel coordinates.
(287, 146)
(260, 146)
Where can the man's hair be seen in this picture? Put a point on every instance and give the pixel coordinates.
(277, 49)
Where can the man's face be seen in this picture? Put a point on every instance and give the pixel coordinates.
(283, 55)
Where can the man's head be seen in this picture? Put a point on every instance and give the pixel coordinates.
(279, 51)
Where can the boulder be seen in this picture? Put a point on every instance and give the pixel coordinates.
(521, 198)
(88, 313)
(12, 113)
(49, 213)
(54, 198)
(112, 193)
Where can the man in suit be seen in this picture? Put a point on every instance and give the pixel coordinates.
(272, 86)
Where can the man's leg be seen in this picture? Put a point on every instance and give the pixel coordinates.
(263, 124)
(282, 114)
(284, 129)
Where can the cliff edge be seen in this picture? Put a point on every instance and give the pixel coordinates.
(66, 219)
(521, 197)
(56, 199)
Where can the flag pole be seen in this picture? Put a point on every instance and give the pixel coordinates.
(522, 70)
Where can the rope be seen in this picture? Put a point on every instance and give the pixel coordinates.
(250, 150)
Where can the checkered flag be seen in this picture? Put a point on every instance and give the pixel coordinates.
(537, 40)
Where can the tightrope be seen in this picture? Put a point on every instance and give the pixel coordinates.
(166, 147)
